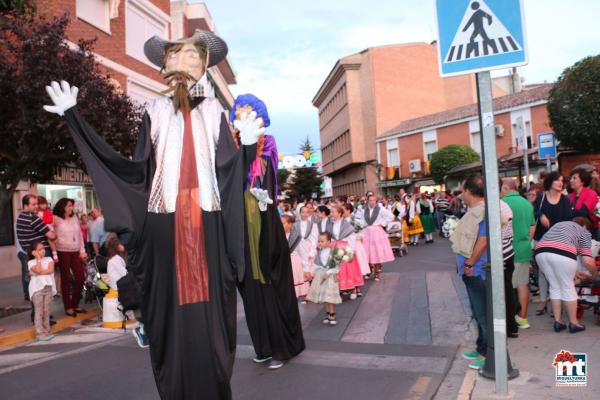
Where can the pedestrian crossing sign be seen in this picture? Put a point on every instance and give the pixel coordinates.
(480, 35)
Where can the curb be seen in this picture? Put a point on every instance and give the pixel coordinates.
(24, 335)
(468, 384)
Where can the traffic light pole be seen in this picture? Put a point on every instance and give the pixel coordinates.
(498, 365)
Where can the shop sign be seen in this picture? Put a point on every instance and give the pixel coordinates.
(398, 182)
(70, 175)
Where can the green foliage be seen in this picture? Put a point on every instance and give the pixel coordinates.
(305, 181)
(449, 157)
(282, 177)
(33, 142)
(574, 106)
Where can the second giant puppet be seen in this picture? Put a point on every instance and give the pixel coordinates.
(268, 287)
(178, 202)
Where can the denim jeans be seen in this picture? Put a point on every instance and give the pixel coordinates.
(24, 273)
(439, 219)
(476, 291)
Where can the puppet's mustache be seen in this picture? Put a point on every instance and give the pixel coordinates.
(178, 85)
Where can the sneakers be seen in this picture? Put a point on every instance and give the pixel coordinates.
(261, 360)
(471, 355)
(522, 322)
(477, 364)
(45, 338)
(353, 296)
(330, 320)
(276, 364)
(140, 337)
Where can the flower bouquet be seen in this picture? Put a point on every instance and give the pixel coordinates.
(340, 254)
(357, 225)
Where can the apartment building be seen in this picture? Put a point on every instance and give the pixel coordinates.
(368, 93)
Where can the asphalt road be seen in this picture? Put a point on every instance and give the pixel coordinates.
(396, 342)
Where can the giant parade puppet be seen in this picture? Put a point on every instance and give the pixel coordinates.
(178, 203)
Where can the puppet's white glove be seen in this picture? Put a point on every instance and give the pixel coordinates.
(63, 97)
(249, 127)
(263, 198)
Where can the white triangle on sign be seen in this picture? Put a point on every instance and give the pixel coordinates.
(480, 34)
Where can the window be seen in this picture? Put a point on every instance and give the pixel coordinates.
(520, 121)
(142, 21)
(429, 143)
(393, 156)
(475, 136)
(94, 12)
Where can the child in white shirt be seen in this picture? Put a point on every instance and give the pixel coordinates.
(41, 289)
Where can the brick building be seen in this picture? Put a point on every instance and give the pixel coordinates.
(368, 93)
(403, 151)
(121, 27)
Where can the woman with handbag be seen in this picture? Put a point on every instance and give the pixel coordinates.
(550, 207)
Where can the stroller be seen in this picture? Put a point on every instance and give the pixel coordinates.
(588, 291)
(395, 233)
(95, 288)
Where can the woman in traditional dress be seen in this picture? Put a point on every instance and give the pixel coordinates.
(343, 234)
(415, 228)
(359, 250)
(307, 247)
(292, 234)
(399, 209)
(427, 220)
(375, 239)
(323, 219)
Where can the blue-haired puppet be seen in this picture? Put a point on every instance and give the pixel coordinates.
(268, 287)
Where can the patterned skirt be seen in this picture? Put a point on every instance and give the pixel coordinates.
(416, 227)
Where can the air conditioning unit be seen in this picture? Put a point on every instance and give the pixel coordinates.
(414, 166)
(499, 130)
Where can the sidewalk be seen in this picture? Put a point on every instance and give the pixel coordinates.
(533, 353)
(18, 327)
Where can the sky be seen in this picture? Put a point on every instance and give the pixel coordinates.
(282, 50)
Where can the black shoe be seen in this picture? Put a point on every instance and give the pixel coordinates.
(52, 322)
(80, 310)
(574, 328)
(540, 312)
(559, 327)
(71, 314)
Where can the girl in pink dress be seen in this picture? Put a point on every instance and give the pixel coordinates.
(301, 284)
(343, 234)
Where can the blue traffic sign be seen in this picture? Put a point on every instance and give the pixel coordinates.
(546, 145)
(480, 35)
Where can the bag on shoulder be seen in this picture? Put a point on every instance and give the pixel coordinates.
(130, 292)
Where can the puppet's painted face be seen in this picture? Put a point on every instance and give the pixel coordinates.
(188, 60)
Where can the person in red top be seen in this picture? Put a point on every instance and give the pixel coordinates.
(583, 199)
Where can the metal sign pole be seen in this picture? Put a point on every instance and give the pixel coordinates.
(496, 359)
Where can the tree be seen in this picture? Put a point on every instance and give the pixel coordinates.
(33, 52)
(574, 106)
(282, 177)
(307, 180)
(448, 157)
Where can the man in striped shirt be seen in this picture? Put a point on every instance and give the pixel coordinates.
(30, 228)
